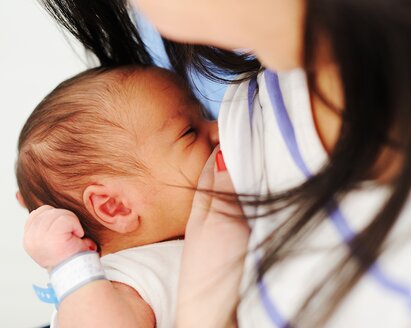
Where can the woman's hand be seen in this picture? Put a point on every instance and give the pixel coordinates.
(214, 250)
(52, 235)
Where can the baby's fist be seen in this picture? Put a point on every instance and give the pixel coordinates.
(53, 235)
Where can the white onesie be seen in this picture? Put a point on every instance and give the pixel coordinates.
(152, 270)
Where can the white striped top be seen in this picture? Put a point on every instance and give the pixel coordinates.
(270, 143)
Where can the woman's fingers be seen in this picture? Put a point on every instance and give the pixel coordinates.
(202, 199)
(206, 178)
(225, 201)
(215, 245)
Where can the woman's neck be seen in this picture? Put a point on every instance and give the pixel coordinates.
(327, 103)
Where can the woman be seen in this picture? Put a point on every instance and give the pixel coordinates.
(331, 238)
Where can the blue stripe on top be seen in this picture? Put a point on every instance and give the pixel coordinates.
(270, 308)
(252, 88)
(284, 122)
(336, 216)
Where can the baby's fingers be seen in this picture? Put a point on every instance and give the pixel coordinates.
(87, 245)
(34, 215)
(67, 222)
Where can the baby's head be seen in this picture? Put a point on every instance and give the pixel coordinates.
(118, 147)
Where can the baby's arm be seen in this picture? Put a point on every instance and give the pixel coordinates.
(105, 304)
(54, 235)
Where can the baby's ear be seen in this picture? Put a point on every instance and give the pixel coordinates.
(20, 199)
(108, 207)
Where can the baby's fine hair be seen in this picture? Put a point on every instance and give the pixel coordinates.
(78, 132)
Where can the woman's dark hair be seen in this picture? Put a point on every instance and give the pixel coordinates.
(105, 28)
(370, 42)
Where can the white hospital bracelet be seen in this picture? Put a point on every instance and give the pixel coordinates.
(76, 272)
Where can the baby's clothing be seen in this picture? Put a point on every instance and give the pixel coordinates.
(152, 270)
(270, 144)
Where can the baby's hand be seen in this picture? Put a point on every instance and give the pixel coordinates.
(53, 235)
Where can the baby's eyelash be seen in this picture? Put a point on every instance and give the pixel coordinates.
(188, 131)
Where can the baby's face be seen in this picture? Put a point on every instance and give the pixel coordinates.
(174, 142)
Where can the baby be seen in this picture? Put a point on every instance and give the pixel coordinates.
(122, 150)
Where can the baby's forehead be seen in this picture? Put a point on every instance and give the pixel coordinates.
(152, 99)
(153, 88)
(160, 82)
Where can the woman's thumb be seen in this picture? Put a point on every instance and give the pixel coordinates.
(226, 200)
(222, 180)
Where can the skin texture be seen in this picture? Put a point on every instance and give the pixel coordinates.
(273, 30)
